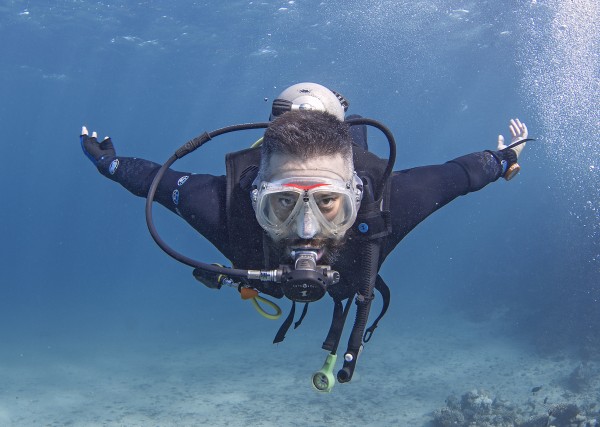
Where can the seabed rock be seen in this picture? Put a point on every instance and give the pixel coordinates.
(477, 408)
(563, 413)
(537, 421)
(446, 417)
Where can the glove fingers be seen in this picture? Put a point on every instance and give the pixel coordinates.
(88, 142)
(107, 144)
(90, 147)
(95, 150)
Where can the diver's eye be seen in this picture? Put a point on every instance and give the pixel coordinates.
(287, 201)
(327, 202)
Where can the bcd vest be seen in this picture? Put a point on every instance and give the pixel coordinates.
(247, 248)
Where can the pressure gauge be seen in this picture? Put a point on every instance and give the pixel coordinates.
(320, 381)
(323, 379)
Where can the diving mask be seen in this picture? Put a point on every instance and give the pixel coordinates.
(307, 206)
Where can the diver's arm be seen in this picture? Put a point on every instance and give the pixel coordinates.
(134, 174)
(199, 199)
(417, 193)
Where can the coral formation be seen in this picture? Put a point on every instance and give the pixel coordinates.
(563, 413)
(477, 408)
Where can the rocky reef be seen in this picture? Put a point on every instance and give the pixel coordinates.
(478, 408)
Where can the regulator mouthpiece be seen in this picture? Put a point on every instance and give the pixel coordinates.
(307, 281)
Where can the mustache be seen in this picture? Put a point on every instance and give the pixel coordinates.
(329, 249)
(317, 243)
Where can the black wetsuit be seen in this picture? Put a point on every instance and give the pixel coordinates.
(200, 199)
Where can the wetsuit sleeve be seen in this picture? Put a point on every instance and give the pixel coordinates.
(417, 193)
(197, 198)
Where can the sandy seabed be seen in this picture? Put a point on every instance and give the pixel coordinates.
(406, 372)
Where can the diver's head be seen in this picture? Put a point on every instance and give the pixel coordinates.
(309, 96)
(293, 140)
(306, 192)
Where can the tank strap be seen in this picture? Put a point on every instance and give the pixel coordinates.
(384, 290)
(280, 336)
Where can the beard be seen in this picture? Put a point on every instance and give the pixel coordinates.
(328, 249)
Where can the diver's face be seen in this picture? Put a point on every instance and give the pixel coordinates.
(329, 167)
(328, 203)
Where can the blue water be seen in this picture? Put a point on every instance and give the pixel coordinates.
(81, 278)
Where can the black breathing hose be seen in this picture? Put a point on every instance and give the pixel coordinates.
(380, 186)
(184, 150)
(200, 140)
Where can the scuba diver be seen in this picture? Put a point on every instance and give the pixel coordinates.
(307, 211)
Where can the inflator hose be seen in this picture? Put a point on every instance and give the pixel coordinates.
(363, 301)
(368, 276)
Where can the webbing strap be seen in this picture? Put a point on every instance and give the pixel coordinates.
(384, 290)
(286, 325)
(304, 310)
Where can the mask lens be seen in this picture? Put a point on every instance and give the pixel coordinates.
(277, 207)
(335, 208)
(286, 206)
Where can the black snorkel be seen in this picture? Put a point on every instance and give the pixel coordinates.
(304, 281)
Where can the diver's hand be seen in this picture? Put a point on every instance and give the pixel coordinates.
(94, 150)
(518, 132)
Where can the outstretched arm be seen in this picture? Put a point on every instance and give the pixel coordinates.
(134, 174)
(417, 193)
(198, 198)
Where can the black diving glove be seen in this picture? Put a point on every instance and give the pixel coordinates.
(94, 150)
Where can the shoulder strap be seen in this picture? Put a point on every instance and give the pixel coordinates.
(242, 167)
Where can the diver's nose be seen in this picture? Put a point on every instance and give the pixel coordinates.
(307, 225)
